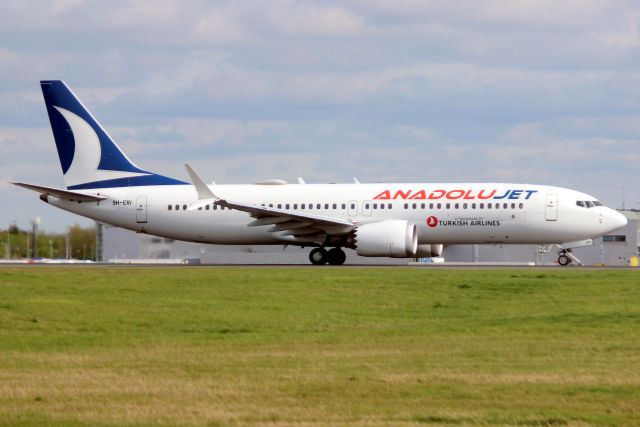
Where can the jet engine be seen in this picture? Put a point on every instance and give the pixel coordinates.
(429, 250)
(392, 238)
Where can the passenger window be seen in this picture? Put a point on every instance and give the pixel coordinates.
(184, 207)
(390, 206)
(473, 206)
(215, 207)
(326, 205)
(344, 206)
(521, 206)
(302, 206)
(422, 205)
(381, 205)
(375, 206)
(279, 205)
(505, 206)
(448, 205)
(295, 206)
(513, 205)
(207, 207)
(430, 205)
(413, 206)
(464, 206)
(406, 205)
(457, 206)
(481, 205)
(177, 207)
(353, 205)
(488, 205)
(335, 206)
(318, 206)
(270, 205)
(439, 205)
(286, 206)
(169, 207)
(366, 205)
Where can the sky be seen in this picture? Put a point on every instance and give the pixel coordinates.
(533, 91)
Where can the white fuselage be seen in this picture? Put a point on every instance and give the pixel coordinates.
(443, 213)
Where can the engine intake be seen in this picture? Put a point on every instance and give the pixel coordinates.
(429, 250)
(392, 238)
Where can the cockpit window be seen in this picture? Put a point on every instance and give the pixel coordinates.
(588, 203)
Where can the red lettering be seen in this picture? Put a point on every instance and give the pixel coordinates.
(385, 195)
(419, 195)
(480, 196)
(401, 194)
(455, 194)
(437, 194)
(468, 195)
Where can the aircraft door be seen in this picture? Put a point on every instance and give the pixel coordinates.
(366, 208)
(353, 207)
(141, 209)
(551, 207)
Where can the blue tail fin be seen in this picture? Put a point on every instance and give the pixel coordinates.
(88, 156)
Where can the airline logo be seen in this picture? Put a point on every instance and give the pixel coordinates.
(433, 222)
(456, 194)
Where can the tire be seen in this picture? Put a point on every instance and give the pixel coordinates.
(318, 256)
(336, 256)
(564, 260)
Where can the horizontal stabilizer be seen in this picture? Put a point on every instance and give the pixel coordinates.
(61, 194)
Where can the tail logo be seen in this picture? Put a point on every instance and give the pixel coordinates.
(87, 154)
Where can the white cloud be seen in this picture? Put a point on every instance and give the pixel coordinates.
(531, 90)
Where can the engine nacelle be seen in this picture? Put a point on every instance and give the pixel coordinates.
(429, 251)
(392, 238)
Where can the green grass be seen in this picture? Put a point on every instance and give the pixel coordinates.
(328, 346)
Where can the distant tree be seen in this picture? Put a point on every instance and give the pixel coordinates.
(82, 241)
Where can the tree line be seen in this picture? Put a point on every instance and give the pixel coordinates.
(77, 242)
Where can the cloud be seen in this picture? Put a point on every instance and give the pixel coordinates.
(410, 90)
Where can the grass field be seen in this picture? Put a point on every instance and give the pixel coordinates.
(328, 346)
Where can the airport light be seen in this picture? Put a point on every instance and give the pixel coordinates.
(13, 222)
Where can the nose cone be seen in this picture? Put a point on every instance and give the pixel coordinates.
(615, 220)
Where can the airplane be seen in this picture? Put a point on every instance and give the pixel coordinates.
(399, 220)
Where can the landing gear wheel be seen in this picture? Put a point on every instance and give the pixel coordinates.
(564, 260)
(336, 256)
(318, 256)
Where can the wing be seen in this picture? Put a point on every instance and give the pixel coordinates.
(291, 225)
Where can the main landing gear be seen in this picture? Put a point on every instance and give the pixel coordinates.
(321, 256)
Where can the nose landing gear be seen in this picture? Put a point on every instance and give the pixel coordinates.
(320, 256)
(565, 257)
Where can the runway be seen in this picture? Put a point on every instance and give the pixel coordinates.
(423, 266)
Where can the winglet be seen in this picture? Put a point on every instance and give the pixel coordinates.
(204, 193)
